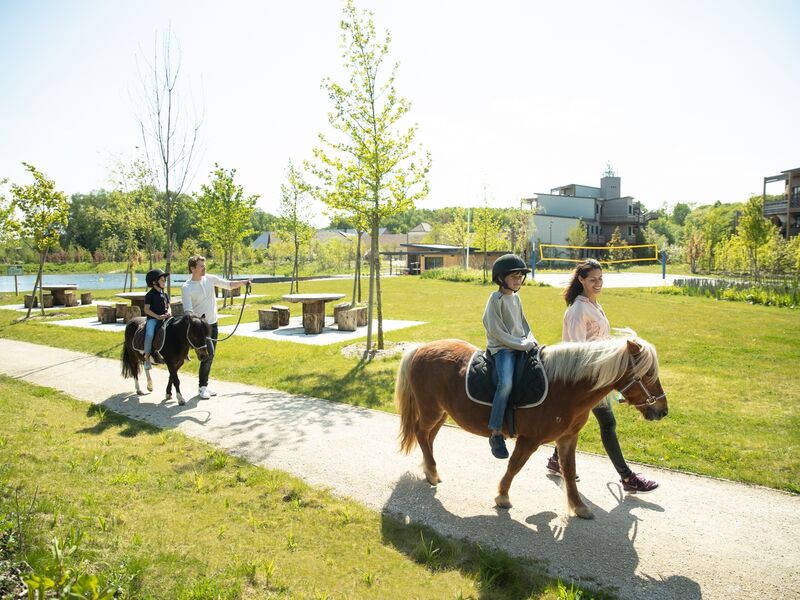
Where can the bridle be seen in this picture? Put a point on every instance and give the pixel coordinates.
(188, 339)
(650, 399)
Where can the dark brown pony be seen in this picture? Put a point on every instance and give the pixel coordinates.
(182, 334)
(430, 386)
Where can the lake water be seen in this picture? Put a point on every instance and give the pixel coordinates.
(89, 281)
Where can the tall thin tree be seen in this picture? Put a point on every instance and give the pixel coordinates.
(170, 136)
(370, 153)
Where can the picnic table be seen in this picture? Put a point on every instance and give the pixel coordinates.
(313, 309)
(136, 298)
(58, 292)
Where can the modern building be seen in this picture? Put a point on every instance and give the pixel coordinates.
(600, 209)
(785, 213)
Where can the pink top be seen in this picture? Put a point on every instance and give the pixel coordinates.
(585, 321)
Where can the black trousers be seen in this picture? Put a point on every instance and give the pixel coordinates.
(205, 366)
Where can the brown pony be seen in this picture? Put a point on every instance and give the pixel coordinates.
(430, 386)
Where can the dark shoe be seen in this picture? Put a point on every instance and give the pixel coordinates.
(637, 483)
(553, 466)
(157, 358)
(555, 469)
(498, 445)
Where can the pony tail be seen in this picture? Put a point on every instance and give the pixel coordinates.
(404, 399)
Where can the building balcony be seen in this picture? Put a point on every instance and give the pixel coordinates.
(779, 207)
(620, 219)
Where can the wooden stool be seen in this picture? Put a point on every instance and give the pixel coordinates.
(267, 318)
(70, 298)
(86, 298)
(106, 313)
(31, 301)
(130, 313)
(120, 309)
(47, 300)
(338, 308)
(283, 314)
(177, 308)
(361, 315)
(348, 319)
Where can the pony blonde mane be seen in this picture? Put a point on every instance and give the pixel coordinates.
(602, 362)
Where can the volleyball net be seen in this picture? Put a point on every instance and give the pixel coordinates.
(604, 254)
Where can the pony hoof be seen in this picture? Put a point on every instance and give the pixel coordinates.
(139, 392)
(584, 512)
(181, 401)
(168, 397)
(149, 386)
(502, 501)
(432, 477)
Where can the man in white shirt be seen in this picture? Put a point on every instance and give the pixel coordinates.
(198, 296)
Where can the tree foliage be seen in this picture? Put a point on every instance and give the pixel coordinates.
(294, 222)
(44, 217)
(369, 166)
(224, 214)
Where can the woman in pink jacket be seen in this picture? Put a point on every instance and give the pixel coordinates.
(584, 321)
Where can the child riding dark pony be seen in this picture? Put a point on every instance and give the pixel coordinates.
(156, 309)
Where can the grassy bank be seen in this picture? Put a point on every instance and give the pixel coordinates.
(152, 514)
(728, 368)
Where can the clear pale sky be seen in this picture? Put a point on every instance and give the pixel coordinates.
(690, 101)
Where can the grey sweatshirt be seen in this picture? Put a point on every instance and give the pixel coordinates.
(505, 323)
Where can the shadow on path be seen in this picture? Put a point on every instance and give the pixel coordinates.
(598, 554)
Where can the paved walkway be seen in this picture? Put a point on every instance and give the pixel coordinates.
(692, 538)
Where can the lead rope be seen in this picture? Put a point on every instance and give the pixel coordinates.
(241, 311)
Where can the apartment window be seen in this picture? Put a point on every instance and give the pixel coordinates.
(434, 262)
(630, 231)
(630, 209)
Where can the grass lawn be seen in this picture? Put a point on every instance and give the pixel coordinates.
(156, 515)
(728, 368)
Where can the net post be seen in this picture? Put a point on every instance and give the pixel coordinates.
(533, 259)
(663, 264)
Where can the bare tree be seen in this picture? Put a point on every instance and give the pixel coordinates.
(170, 135)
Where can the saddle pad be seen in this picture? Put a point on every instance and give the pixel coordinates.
(530, 380)
(138, 336)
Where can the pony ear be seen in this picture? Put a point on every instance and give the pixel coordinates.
(203, 316)
(634, 347)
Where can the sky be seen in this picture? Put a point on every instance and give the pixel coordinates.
(688, 101)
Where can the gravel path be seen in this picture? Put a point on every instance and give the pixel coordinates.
(694, 537)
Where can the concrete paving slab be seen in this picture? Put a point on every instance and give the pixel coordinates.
(293, 332)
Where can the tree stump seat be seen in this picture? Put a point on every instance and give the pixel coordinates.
(268, 318)
(130, 313)
(351, 319)
(176, 307)
(120, 308)
(338, 308)
(30, 301)
(283, 314)
(86, 298)
(47, 300)
(107, 313)
(70, 298)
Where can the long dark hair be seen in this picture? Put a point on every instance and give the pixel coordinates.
(575, 287)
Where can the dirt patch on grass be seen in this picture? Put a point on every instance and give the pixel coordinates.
(390, 349)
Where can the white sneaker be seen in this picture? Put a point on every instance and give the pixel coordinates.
(210, 391)
(204, 393)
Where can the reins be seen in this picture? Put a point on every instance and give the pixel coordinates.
(241, 312)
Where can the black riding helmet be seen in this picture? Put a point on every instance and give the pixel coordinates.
(153, 276)
(508, 263)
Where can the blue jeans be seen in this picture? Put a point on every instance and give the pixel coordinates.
(504, 361)
(149, 334)
(205, 366)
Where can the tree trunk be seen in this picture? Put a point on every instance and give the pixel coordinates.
(370, 300)
(38, 283)
(378, 295)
